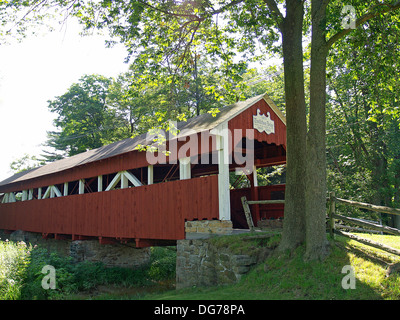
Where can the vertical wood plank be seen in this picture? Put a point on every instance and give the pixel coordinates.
(132, 212)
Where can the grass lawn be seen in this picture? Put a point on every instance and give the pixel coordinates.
(290, 277)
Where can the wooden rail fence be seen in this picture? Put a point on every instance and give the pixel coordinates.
(360, 222)
(332, 216)
(247, 212)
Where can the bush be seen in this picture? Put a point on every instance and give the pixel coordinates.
(14, 259)
(163, 263)
(21, 272)
(65, 280)
(74, 277)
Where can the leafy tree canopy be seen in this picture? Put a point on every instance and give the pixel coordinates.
(83, 118)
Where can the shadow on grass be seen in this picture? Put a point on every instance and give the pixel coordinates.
(289, 277)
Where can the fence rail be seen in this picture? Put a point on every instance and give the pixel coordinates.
(359, 222)
(364, 223)
(368, 206)
(247, 212)
(333, 216)
(265, 201)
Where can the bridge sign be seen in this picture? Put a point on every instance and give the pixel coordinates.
(263, 122)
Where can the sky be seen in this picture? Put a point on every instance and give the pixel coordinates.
(37, 70)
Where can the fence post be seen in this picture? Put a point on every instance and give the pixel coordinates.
(332, 211)
(247, 213)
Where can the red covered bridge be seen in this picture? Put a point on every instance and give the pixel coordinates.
(119, 193)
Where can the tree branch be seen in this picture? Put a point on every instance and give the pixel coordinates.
(362, 20)
(222, 9)
(34, 7)
(183, 15)
(275, 12)
(192, 16)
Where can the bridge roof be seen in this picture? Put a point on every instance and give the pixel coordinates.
(204, 122)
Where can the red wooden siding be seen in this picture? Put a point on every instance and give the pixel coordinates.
(245, 121)
(130, 160)
(267, 211)
(155, 211)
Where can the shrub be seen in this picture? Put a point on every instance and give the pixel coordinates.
(21, 272)
(74, 277)
(163, 263)
(14, 259)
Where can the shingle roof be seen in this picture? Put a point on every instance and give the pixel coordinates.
(197, 124)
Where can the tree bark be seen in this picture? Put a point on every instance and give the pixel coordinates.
(296, 126)
(316, 241)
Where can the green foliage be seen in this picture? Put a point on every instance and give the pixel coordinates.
(171, 43)
(149, 98)
(21, 272)
(268, 80)
(66, 281)
(84, 119)
(14, 259)
(362, 114)
(271, 175)
(163, 263)
(17, 18)
(27, 162)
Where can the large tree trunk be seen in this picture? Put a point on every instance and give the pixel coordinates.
(291, 29)
(316, 242)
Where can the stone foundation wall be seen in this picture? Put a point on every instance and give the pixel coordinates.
(209, 226)
(200, 263)
(86, 250)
